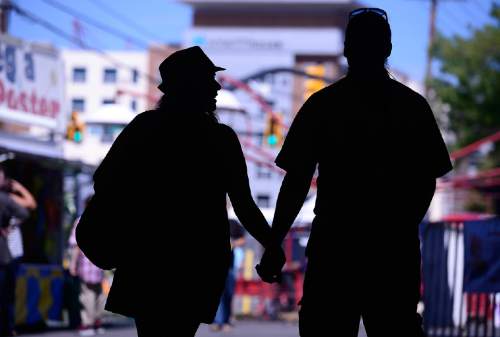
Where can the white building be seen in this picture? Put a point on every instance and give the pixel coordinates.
(94, 80)
(257, 41)
(249, 37)
(104, 124)
(260, 41)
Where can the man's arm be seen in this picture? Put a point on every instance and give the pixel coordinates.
(22, 196)
(292, 194)
(291, 197)
(423, 189)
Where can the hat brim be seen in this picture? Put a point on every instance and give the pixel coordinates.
(219, 68)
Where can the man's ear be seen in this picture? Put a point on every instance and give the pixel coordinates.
(346, 50)
(388, 50)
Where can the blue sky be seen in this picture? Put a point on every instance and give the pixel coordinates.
(167, 19)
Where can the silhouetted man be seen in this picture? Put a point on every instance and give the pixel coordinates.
(378, 151)
(165, 181)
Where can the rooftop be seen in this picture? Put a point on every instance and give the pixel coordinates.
(268, 4)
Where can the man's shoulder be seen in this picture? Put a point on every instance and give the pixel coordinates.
(330, 92)
(406, 94)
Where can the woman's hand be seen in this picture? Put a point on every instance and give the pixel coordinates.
(271, 264)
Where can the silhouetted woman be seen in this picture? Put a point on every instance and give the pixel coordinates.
(167, 177)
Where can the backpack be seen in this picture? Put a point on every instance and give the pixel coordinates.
(94, 234)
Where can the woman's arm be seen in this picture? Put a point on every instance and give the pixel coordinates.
(247, 211)
(240, 194)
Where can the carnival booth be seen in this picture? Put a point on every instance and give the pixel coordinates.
(32, 122)
(259, 299)
(461, 273)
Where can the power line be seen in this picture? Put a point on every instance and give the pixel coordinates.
(458, 22)
(479, 5)
(471, 18)
(97, 24)
(446, 22)
(54, 29)
(471, 14)
(125, 20)
(483, 11)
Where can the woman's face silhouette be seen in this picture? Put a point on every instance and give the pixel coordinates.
(210, 93)
(198, 92)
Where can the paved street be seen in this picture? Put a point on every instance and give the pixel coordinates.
(242, 329)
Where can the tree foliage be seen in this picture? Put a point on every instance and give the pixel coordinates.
(469, 81)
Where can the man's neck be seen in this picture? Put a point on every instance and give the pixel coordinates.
(367, 73)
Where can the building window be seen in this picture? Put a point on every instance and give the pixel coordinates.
(111, 132)
(263, 171)
(259, 136)
(109, 75)
(78, 104)
(79, 75)
(135, 76)
(133, 105)
(95, 130)
(107, 101)
(263, 200)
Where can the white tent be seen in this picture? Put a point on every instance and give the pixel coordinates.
(226, 100)
(110, 114)
(305, 217)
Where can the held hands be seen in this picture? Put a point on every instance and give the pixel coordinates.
(269, 268)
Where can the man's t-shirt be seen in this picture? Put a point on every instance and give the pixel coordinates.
(9, 209)
(372, 143)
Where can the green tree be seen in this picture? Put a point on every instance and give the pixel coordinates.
(469, 82)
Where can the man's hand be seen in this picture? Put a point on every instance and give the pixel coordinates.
(16, 186)
(269, 268)
(22, 196)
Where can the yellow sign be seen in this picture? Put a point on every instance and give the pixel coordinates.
(312, 84)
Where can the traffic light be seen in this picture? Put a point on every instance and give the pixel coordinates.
(75, 128)
(312, 84)
(274, 132)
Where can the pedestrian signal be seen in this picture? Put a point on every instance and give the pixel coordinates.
(274, 132)
(75, 128)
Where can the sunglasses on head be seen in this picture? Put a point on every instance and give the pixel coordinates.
(358, 11)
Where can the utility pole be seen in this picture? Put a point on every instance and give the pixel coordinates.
(5, 8)
(432, 37)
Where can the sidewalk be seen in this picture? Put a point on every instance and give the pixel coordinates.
(241, 329)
